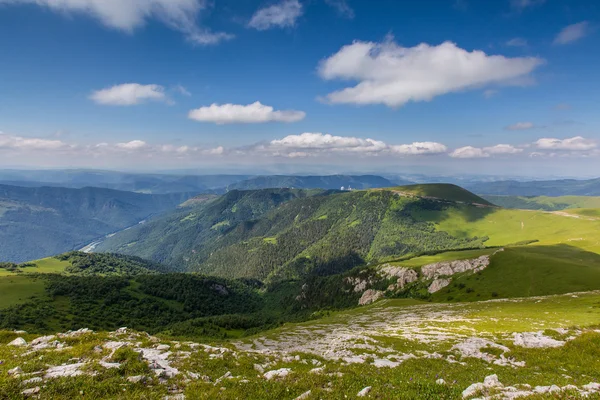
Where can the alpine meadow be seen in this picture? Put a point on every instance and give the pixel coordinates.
(299, 200)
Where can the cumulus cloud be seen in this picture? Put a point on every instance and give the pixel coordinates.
(469, 152)
(342, 8)
(127, 15)
(281, 15)
(394, 75)
(129, 94)
(572, 33)
(133, 145)
(417, 148)
(312, 144)
(244, 114)
(10, 142)
(576, 143)
(503, 149)
(476, 152)
(520, 126)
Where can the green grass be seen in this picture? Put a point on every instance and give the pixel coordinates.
(19, 289)
(270, 240)
(528, 271)
(48, 265)
(545, 202)
(446, 256)
(505, 227)
(441, 191)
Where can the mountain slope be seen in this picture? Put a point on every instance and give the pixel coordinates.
(39, 222)
(332, 232)
(545, 203)
(309, 234)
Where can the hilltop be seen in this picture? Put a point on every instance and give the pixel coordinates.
(246, 234)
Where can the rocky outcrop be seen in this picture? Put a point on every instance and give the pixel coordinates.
(370, 296)
(438, 285)
(403, 275)
(449, 268)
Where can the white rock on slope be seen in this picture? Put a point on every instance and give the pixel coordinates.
(438, 285)
(535, 340)
(18, 342)
(370, 296)
(278, 373)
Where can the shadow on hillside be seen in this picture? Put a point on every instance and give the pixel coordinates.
(436, 211)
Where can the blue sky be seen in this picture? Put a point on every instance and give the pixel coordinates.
(497, 87)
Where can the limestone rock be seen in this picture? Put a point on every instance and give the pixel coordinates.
(278, 373)
(18, 342)
(449, 268)
(364, 392)
(370, 296)
(438, 285)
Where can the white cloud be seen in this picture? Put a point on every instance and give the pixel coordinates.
(129, 94)
(281, 15)
(476, 152)
(10, 142)
(244, 114)
(500, 149)
(520, 5)
(572, 33)
(576, 143)
(127, 15)
(520, 126)
(394, 75)
(469, 152)
(307, 144)
(517, 42)
(133, 145)
(342, 8)
(419, 148)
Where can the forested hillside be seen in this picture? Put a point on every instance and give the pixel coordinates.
(269, 236)
(39, 222)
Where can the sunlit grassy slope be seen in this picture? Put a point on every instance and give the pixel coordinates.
(441, 191)
(19, 289)
(545, 202)
(504, 227)
(528, 271)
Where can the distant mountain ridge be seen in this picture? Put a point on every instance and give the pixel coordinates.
(343, 182)
(563, 187)
(43, 221)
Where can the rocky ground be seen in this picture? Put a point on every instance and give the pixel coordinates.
(547, 347)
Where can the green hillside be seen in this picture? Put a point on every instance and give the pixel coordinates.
(545, 203)
(43, 221)
(251, 235)
(442, 191)
(303, 233)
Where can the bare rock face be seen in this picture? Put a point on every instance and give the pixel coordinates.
(404, 275)
(18, 342)
(438, 285)
(370, 296)
(448, 268)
